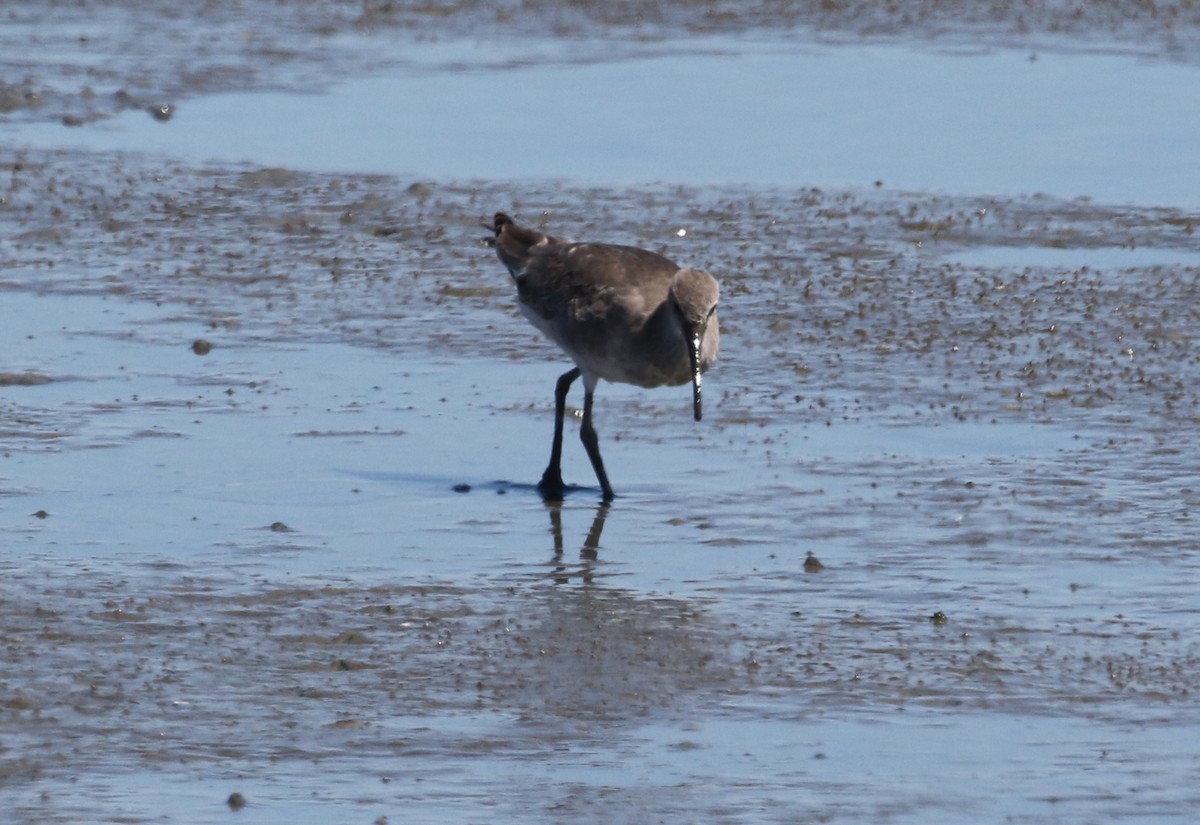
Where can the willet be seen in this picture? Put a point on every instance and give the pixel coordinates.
(620, 313)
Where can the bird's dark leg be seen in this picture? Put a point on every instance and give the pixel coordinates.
(551, 486)
(587, 434)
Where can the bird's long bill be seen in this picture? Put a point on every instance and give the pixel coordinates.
(694, 354)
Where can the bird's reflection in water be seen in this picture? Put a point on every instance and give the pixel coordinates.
(588, 553)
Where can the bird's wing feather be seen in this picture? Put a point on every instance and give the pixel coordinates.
(587, 279)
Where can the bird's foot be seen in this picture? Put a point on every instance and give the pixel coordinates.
(551, 486)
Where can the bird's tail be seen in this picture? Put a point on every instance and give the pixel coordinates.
(513, 242)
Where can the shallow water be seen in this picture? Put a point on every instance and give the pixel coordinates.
(276, 590)
(720, 111)
(310, 567)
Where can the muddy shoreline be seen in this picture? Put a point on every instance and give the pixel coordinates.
(858, 279)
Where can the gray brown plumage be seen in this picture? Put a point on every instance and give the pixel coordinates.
(620, 313)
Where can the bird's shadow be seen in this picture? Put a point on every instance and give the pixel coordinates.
(563, 571)
(500, 486)
(548, 499)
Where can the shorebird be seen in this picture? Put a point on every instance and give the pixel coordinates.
(620, 313)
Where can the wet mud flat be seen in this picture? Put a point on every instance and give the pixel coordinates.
(268, 438)
(833, 288)
(244, 566)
